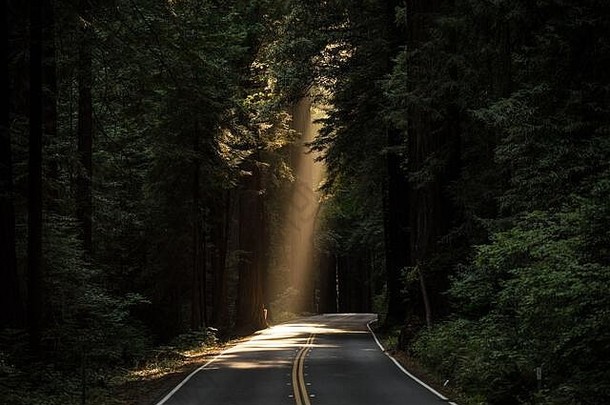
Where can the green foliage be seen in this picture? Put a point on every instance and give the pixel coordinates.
(531, 299)
(531, 88)
(85, 316)
(480, 358)
(196, 105)
(195, 339)
(351, 218)
(509, 100)
(181, 100)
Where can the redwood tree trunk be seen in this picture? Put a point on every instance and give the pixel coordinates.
(34, 249)
(49, 78)
(11, 305)
(396, 197)
(220, 233)
(432, 213)
(424, 208)
(85, 128)
(396, 208)
(250, 302)
(198, 292)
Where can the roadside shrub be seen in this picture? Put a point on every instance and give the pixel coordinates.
(534, 297)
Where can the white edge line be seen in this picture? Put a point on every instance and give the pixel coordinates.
(181, 384)
(219, 355)
(404, 370)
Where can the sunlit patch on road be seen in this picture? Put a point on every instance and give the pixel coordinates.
(288, 337)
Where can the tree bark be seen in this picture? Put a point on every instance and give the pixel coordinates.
(397, 238)
(426, 299)
(396, 198)
(220, 234)
(198, 299)
(85, 128)
(11, 305)
(250, 302)
(34, 249)
(49, 79)
(425, 199)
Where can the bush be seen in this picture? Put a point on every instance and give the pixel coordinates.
(532, 298)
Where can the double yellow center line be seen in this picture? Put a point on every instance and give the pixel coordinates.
(298, 380)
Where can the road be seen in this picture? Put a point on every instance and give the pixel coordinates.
(322, 360)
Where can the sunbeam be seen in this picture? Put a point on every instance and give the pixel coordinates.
(301, 211)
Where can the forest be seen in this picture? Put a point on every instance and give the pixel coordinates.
(199, 169)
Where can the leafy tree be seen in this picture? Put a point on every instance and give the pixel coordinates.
(12, 302)
(35, 275)
(527, 292)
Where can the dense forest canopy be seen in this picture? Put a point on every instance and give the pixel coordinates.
(176, 168)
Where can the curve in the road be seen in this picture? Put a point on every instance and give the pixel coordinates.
(301, 396)
(404, 370)
(343, 363)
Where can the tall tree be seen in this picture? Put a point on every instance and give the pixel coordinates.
(49, 78)
(11, 305)
(433, 144)
(532, 88)
(198, 300)
(396, 189)
(84, 194)
(219, 248)
(34, 251)
(250, 301)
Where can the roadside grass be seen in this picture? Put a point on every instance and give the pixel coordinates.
(144, 384)
(390, 338)
(147, 384)
(162, 369)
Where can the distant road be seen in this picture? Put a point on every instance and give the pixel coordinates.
(322, 360)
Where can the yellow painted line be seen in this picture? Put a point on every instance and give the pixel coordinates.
(299, 387)
(295, 379)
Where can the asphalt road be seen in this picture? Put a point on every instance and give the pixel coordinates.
(322, 360)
